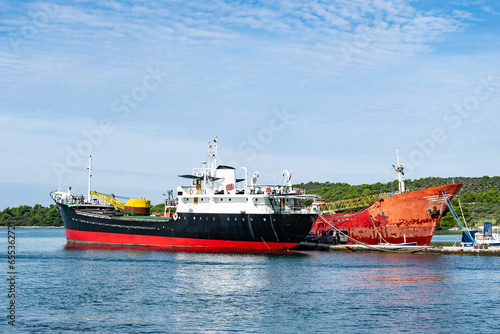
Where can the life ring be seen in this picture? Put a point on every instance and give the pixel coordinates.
(190, 191)
(297, 192)
(268, 190)
(175, 216)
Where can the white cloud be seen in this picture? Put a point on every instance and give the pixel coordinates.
(490, 10)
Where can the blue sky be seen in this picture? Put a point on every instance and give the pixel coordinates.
(327, 89)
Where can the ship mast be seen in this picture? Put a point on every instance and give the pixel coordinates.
(214, 158)
(399, 169)
(89, 198)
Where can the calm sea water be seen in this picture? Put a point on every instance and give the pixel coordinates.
(136, 291)
(447, 238)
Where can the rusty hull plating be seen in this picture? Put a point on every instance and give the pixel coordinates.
(408, 217)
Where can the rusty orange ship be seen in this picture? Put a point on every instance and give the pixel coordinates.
(408, 217)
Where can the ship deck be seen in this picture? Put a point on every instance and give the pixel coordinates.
(98, 214)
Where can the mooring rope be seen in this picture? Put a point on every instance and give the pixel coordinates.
(370, 246)
(380, 235)
(457, 219)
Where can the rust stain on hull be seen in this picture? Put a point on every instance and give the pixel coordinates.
(412, 217)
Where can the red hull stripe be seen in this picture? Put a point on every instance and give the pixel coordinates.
(134, 240)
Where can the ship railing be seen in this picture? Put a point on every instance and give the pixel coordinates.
(271, 190)
(71, 200)
(277, 190)
(294, 207)
(353, 203)
(200, 172)
(265, 207)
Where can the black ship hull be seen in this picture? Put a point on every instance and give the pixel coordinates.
(189, 231)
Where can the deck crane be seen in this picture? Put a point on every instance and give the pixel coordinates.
(109, 199)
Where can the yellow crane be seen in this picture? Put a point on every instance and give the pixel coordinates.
(134, 206)
(109, 199)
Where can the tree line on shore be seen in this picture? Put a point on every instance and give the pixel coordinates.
(479, 199)
(26, 215)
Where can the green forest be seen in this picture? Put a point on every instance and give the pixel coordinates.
(479, 199)
(26, 215)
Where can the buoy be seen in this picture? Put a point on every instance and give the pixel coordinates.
(190, 191)
(297, 192)
(268, 190)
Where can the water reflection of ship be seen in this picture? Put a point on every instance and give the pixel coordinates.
(399, 270)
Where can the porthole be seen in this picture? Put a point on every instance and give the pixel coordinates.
(229, 200)
(227, 218)
(235, 219)
(194, 218)
(265, 219)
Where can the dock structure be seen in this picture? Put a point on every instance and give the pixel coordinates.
(477, 250)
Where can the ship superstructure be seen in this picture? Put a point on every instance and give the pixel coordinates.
(217, 190)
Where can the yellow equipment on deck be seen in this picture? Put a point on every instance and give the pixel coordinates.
(137, 206)
(134, 206)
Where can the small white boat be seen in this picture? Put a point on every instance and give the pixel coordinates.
(492, 239)
(483, 235)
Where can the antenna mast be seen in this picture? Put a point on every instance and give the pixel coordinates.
(90, 177)
(214, 157)
(399, 169)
